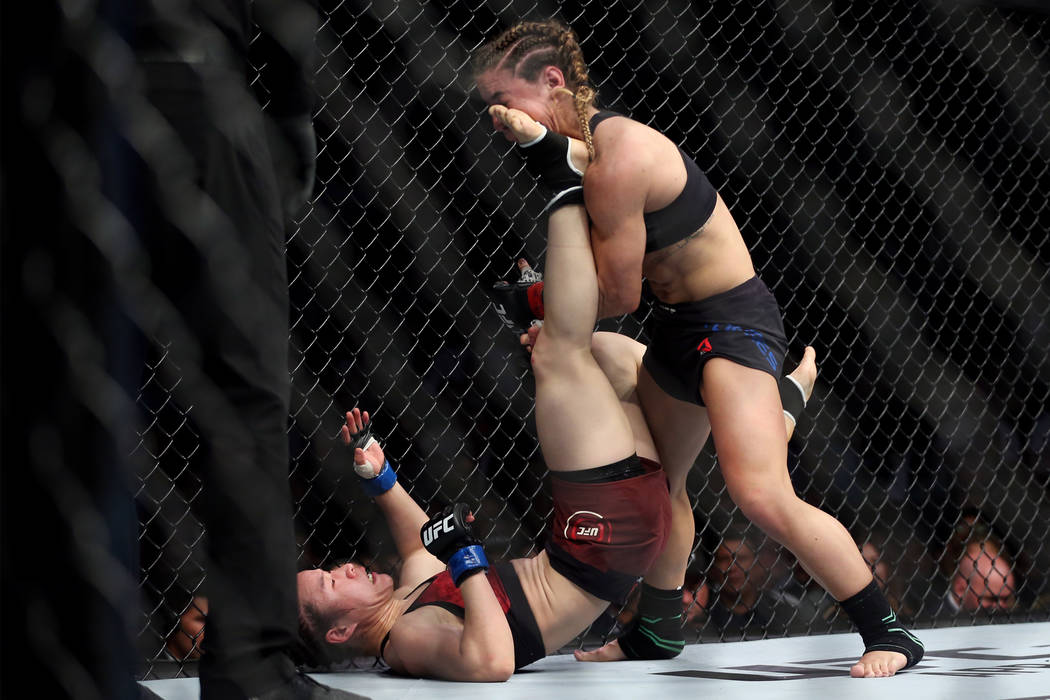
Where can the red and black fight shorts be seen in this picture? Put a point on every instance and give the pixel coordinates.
(606, 535)
(742, 324)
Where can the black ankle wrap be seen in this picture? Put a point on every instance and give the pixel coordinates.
(550, 158)
(878, 625)
(792, 398)
(657, 631)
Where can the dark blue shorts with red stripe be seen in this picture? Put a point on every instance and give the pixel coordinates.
(743, 325)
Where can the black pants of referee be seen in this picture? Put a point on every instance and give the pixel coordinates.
(211, 224)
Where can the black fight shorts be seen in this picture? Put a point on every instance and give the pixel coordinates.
(605, 536)
(742, 324)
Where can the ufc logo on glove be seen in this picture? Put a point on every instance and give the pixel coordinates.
(437, 529)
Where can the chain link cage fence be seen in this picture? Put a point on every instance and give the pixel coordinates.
(889, 166)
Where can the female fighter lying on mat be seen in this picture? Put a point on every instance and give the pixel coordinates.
(611, 512)
(452, 615)
(716, 339)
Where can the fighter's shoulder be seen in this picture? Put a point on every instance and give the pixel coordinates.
(619, 129)
(626, 143)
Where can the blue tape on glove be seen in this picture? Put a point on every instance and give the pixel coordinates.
(467, 561)
(383, 481)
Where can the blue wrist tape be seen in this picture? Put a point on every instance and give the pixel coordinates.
(383, 482)
(465, 561)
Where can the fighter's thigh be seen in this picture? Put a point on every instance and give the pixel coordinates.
(620, 358)
(679, 428)
(748, 427)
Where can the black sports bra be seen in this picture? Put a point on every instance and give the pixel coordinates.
(442, 592)
(689, 211)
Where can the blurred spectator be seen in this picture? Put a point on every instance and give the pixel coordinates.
(184, 643)
(879, 568)
(981, 573)
(970, 525)
(696, 595)
(984, 579)
(882, 557)
(984, 583)
(739, 607)
(801, 598)
(819, 612)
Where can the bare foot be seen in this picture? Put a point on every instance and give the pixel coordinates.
(523, 128)
(806, 372)
(609, 652)
(878, 664)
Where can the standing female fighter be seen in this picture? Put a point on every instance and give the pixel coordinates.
(716, 340)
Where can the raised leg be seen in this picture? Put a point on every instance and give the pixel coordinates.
(579, 419)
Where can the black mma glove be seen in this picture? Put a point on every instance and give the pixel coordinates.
(373, 484)
(549, 157)
(520, 304)
(450, 538)
(293, 144)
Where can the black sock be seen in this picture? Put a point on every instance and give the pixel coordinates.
(878, 625)
(657, 631)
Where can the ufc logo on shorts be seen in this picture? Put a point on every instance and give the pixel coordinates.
(437, 529)
(588, 526)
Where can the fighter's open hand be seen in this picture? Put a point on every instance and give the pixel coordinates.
(528, 338)
(357, 435)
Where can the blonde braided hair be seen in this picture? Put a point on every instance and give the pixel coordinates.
(527, 47)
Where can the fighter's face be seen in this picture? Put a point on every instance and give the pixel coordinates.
(879, 568)
(343, 590)
(993, 591)
(734, 560)
(501, 87)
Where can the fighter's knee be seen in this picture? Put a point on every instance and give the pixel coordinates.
(603, 345)
(553, 356)
(769, 509)
(616, 352)
(544, 358)
(619, 358)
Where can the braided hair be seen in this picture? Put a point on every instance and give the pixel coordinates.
(527, 47)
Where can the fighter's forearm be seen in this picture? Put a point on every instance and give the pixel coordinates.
(404, 517)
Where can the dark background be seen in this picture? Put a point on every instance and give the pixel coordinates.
(889, 165)
(887, 162)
